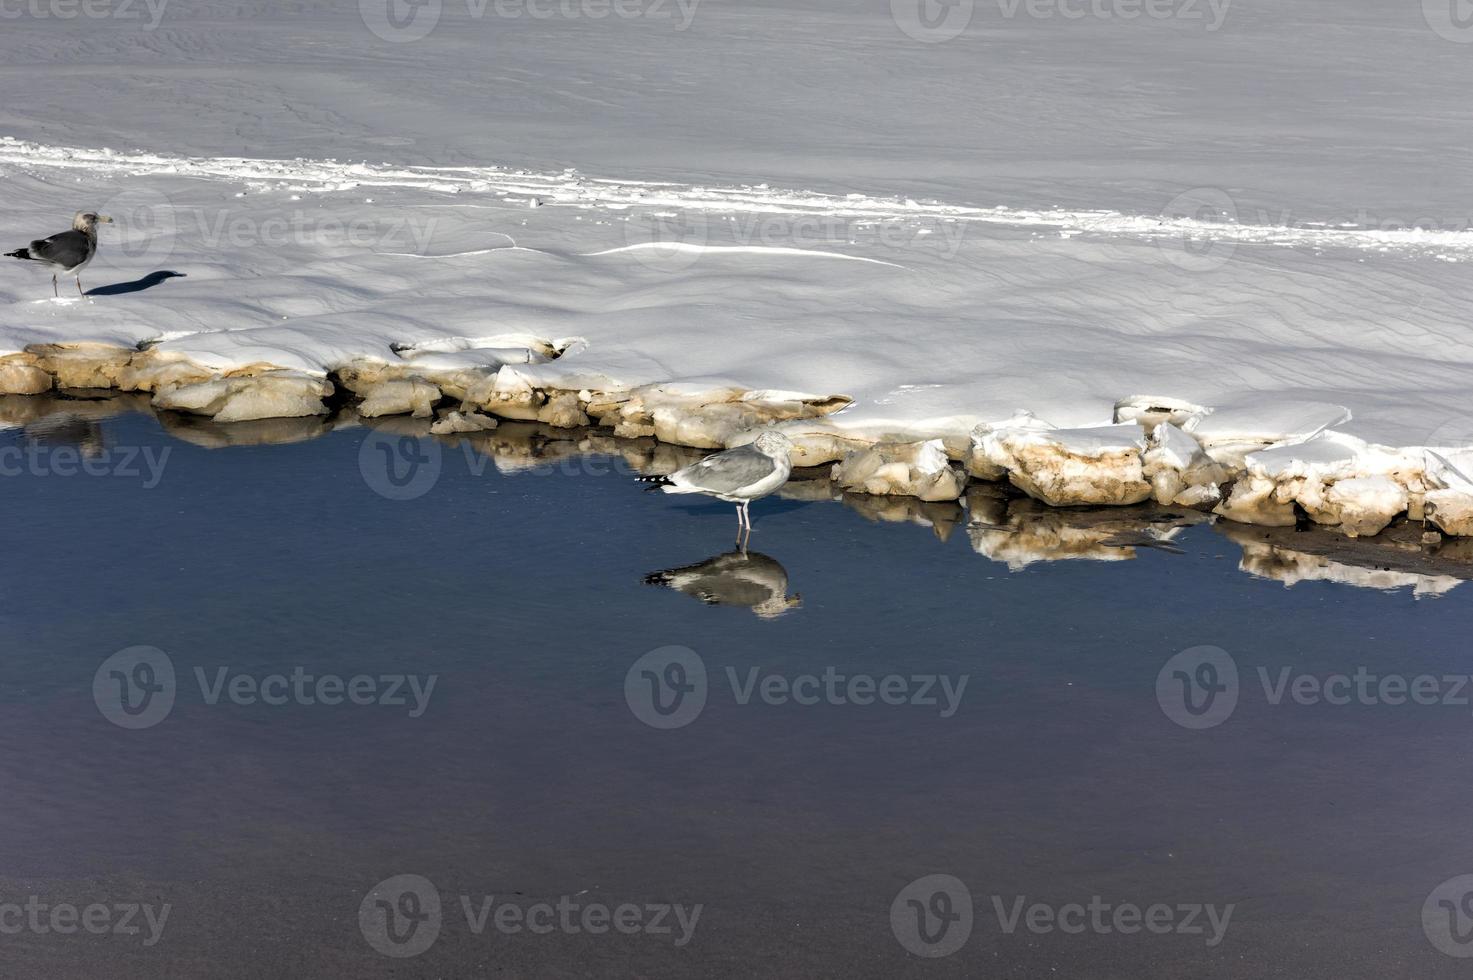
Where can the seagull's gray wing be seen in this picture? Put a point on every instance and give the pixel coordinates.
(68, 250)
(726, 472)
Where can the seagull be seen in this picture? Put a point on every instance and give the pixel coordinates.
(737, 578)
(68, 252)
(738, 476)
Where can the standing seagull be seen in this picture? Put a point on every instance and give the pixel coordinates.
(738, 476)
(68, 252)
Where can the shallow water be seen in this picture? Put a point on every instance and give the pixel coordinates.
(530, 776)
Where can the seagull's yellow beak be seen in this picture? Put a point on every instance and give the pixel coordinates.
(106, 218)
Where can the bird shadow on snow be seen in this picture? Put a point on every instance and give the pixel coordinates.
(136, 286)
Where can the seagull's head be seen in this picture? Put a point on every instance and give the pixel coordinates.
(777, 605)
(773, 443)
(87, 220)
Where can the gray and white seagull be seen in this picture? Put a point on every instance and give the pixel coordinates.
(67, 253)
(738, 476)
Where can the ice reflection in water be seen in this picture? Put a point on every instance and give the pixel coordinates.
(1013, 530)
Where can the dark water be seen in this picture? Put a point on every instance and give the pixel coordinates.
(529, 788)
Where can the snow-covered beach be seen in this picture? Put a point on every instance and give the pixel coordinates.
(698, 313)
(1176, 209)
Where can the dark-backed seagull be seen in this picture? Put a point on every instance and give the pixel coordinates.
(69, 252)
(738, 476)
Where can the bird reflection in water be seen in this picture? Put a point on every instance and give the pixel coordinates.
(67, 429)
(736, 578)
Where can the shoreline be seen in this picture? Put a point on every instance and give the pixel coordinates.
(1164, 450)
(1000, 522)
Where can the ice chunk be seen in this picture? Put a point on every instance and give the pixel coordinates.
(411, 396)
(1252, 501)
(84, 365)
(1338, 480)
(1063, 467)
(273, 394)
(1179, 471)
(979, 464)
(21, 375)
(1151, 410)
(563, 411)
(1364, 505)
(915, 469)
(1450, 509)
